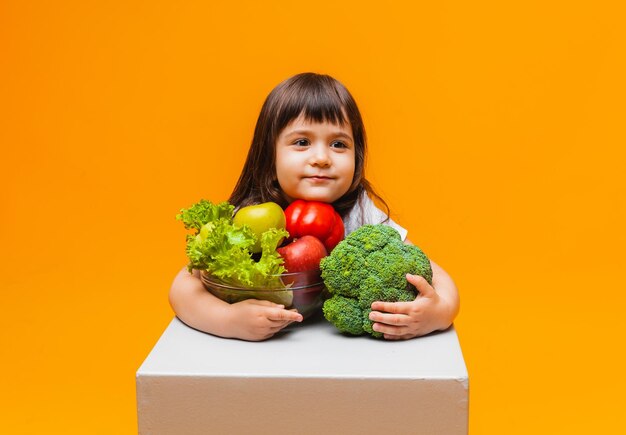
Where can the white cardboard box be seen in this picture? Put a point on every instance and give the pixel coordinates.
(308, 380)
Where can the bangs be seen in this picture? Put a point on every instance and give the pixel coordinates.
(316, 98)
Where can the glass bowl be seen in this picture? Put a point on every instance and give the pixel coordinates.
(304, 291)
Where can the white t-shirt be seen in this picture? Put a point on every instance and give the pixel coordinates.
(365, 212)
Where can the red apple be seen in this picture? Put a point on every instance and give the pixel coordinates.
(303, 254)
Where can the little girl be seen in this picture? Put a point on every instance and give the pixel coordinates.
(309, 143)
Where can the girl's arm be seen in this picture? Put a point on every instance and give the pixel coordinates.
(252, 319)
(435, 308)
(447, 291)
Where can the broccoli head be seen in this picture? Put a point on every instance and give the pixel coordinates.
(369, 265)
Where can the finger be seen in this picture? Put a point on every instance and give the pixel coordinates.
(398, 337)
(420, 283)
(390, 319)
(409, 332)
(388, 329)
(278, 325)
(392, 307)
(281, 314)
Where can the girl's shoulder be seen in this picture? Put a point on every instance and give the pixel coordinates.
(365, 212)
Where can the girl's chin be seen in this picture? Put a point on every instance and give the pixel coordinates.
(313, 194)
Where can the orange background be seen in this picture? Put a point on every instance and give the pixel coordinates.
(497, 137)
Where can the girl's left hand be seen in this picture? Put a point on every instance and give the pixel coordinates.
(404, 320)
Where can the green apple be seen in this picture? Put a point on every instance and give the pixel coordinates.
(260, 218)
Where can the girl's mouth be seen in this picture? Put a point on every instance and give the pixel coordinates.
(319, 177)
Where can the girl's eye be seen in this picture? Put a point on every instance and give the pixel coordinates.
(338, 145)
(302, 142)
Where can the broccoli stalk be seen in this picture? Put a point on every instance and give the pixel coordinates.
(369, 265)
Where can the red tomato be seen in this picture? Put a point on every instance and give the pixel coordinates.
(314, 218)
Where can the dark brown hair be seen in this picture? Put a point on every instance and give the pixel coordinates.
(320, 98)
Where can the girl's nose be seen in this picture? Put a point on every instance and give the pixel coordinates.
(320, 156)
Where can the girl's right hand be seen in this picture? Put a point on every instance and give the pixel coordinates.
(256, 320)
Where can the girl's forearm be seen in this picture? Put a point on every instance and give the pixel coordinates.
(196, 307)
(447, 291)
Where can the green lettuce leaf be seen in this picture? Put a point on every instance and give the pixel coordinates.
(204, 212)
(223, 249)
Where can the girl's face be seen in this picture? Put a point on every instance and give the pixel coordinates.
(315, 161)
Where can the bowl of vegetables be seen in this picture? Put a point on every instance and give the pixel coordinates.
(251, 255)
(304, 291)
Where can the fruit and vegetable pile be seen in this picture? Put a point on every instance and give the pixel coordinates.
(259, 246)
(254, 246)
